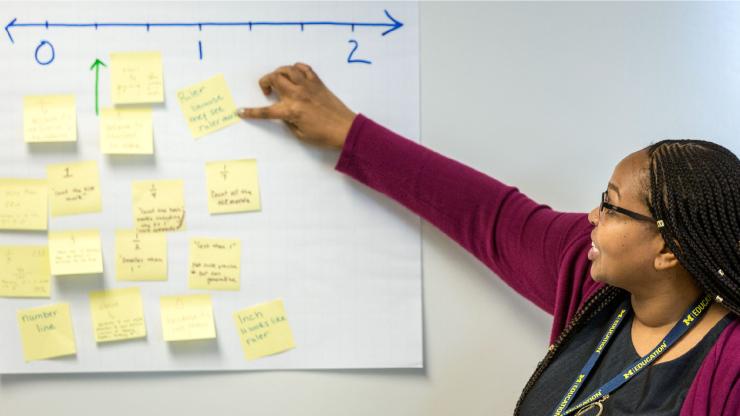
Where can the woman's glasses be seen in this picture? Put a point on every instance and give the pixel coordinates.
(606, 205)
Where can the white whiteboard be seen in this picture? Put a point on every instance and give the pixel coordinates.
(346, 262)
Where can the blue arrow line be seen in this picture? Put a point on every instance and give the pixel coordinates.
(393, 25)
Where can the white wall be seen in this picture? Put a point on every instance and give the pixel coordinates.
(545, 96)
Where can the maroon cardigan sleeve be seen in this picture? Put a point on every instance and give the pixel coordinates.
(533, 248)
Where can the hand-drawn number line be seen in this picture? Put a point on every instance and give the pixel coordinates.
(45, 45)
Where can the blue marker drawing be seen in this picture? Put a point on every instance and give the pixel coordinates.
(51, 50)
(391, 26)
(200, 50)
(351, 60)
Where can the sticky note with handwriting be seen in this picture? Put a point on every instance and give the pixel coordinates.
(136, 78)
(49, 119)
(75, 252)
(187, 317)
(24, 272)
(126, 131)
(158, 205)
(141, 256)
(23, 204)
(214, 264)
(264, 330)
(46, 332)
(207, 106)
(117, 314)
(74, 188)
(233, 186)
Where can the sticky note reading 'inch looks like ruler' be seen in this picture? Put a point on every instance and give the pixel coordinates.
(264, 329)
(207, 106)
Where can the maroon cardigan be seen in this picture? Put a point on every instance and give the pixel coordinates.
(540, 253)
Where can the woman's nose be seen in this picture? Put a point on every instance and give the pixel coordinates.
(593, 216)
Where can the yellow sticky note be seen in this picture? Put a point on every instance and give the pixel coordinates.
(51, 118)
(187, 317)
(136, 77)
(207, 106)
(233, 186)
(126, 131)
(158, 205)
(117, 314)
(75, 252)
(24, 272)
(74, 188)
(264, 329)
(46, 332)
(214, 264)
(141, 256)
(23, 204)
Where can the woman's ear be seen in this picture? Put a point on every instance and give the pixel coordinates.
(665, 259)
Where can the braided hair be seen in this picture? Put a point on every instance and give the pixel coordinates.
(693, 189)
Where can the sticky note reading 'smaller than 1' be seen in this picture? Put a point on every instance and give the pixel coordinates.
(207, 106)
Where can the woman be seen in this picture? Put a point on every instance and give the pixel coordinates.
(644, 290)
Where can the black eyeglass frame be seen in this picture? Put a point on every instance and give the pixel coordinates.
(631, 214)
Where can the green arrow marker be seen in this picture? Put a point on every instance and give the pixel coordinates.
(96, 65)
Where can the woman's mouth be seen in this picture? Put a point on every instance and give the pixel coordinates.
(593, 252)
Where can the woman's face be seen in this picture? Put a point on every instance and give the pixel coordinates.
(625, 249)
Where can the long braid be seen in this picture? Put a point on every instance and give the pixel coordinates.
(695, 190)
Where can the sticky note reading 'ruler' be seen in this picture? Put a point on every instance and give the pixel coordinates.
(232, 186)
(46, 332)
(75, 252)
(126, 131)
(141, 256)
(136, 77)
(24, 204)
(24, 271)
(50, 118)
(74, 188)
(207, 106)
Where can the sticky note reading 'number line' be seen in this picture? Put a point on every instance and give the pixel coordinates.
(141, 256)
(126, 131)
(23, 204)
(75, 252)
(207, 106)
(48, 119)
(187, 317)
(24, 272)
(136, 78)
(46, 332)
(264, 330)
(117, 314)
(232, 186)
(74, 188)
(158, 205)
(214, 264)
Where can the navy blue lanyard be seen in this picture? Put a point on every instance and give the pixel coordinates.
(690, 317)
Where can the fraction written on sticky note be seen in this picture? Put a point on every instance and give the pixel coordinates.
(117, 314)
(214, 264)
(23, 204)
(51, 118)
(207, 106)
(233, 186)
(264, 329)
(24, 272)
(141, 256)
(46, 332)
(187, 317)
(136, 78)
(75, 252)
(74, 188)
(126, 131)
(158, 205)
